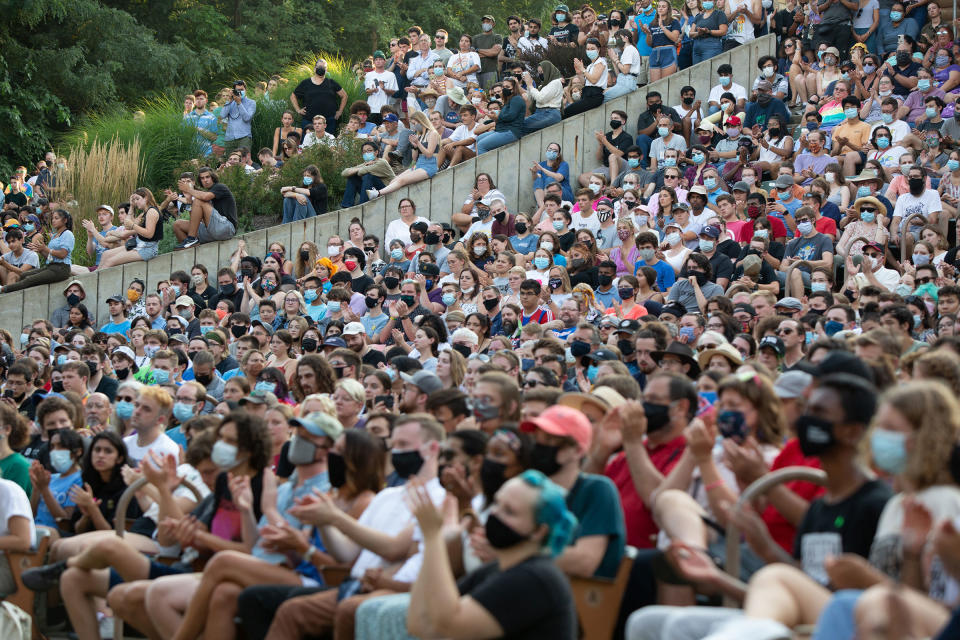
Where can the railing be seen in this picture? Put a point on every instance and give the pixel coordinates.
(436, 199)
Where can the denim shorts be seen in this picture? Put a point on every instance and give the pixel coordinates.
(220, 228)
(663, 57)
(147, 250)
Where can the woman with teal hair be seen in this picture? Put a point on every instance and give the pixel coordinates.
(528, 526)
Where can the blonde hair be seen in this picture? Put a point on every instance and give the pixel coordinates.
(934, 413)
(353, 388)
(420, 118)
(326, 403)
(458, 366)
(158, 395)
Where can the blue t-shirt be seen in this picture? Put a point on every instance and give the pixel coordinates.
(99, 248)
(642, 46)
(318, 312)
(665, 275)
(116, 327)
(64, 240)
(659, 38)
(60, 488)
(374, 325)
(524, 245)
(607, 298)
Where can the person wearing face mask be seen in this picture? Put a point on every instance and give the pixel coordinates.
(51, 497)
(721, 265)
(867, 222)
(594, 76)
(726, 85)
(898, 28)
(914, 107)
(811, 246)
(319, 94)
(74, 294)
(920, 200)
(372, 173)
(666, 139)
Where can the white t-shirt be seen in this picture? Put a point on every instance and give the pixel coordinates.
(460, 62)
(479, 227)
(531, 44)
(591, 222)
(631, 56)
(380, 97)
(191, 475)
(898, 130)
(602, 80)
(462, 133)
(400, 229)
(889, 157)
(741, 28)
(14, 502)
(738, 91)
(163, 445)
(311, 139)
(909, 204)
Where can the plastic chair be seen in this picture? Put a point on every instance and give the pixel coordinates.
(758, 488)
(19, 562)
(598, 599)
(120, 526)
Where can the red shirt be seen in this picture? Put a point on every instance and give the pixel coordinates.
(777, 228)
(826, 226)
(790, 456)
(641, 529)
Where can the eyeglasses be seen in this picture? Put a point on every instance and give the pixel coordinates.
(530, 384)
(923, 280)
(672, 177)
(439, 36)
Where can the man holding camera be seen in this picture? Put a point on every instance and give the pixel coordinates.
(238, 113)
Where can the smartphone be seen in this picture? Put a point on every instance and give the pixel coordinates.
(387, 400)
(731, 424)
(8, 393)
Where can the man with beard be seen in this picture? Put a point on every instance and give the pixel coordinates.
(314, 375)
(646, 342)
(21, 392)
(570, 317)
(416, 389)
(355, 334)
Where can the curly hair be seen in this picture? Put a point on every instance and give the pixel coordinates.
(758, 391)
(323, 371)
(934, 413)
(252, 438)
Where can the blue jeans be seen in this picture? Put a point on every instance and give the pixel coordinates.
(644, 141)
(871, 41)
(541, 119)
(836, 620)
(685, 55)
(626, 83)
(293, 210)
(706, 48)
(358, 185)
(494, 139)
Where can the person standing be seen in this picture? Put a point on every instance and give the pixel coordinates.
(204, 121)
(319, 95)
(238, 113)
(488, 46)
(380, 85)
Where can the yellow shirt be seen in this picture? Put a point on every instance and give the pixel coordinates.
(855, 132)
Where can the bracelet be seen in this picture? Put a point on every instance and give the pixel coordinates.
(309, 553)
(713, 485)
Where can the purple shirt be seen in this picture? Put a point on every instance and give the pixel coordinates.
(916, 104)
(808, 160)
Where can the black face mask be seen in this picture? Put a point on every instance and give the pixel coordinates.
(73, 299)
(304, 254)
(93, 365)
(579, 348)
(391, 282)
(815, 435)
(625, 293)
(604, 280)
(687, 101)
(521, 227)
(903, 58)
(238, 331)
(406, 463)
(371, 302)
(499, 217)
(227, 289)
(462, 349)
(701, 277)
(336, 469)
(432, 238)
(615, 124)
(414, 237)
(774, 132)
(544, 459)
(122, 373)
(658, 416)
(491, 304)
(57, 386)
(308, 344)
(338, 372)
(625, 346)
(501, 535)
(408, 300)
(916, 185)
(577, 263)
(763, 99)
(492, 476)
(204, 380)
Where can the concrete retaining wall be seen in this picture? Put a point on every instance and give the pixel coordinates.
(436, 199)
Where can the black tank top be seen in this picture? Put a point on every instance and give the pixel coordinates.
(157, 231)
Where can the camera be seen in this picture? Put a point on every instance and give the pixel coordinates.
(601, 18)
(236, 91)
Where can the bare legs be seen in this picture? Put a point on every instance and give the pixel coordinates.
(199, 212)
(786, 594)
(408, 177)
(167, 599)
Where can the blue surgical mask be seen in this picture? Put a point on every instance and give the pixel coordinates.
(205, 330)
(669, 162)
(903, 290)
(850, 113)
(663, 131)
(923, 84)
(784, 194)
(710, 183)
(887, 117)
(697, 158)
(307, 180)
(931, 112)
(161, 376)
(920, 259)
(264, 386)
(558, 224)
(61, 359)
(942, 61)
(724, 80)
(805, 227)
(61, 460)
(182, 412)
(541, 263)
(124, 410)
(818, 286)
(24, 339)
(224, 455)
(309, 295)
(593, 53)
(889, 449)
(368, 156)
(896, 15)
(863, 192)
(868, 216)
(333, 306)
(28, 227)
(832, 327)
(760, 233)
(551, 155)
(869, 68)
(633, 162)
(883, 142)
(449, 299)
(707, 246)
(593, 186)
(176, 291)
(592, 373)
(953, 165)
(396, 254)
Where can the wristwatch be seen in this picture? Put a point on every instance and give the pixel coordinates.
(309, 553)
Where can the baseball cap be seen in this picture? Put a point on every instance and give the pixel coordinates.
(792, 384)
(561, 7)
(424, 380)
(260, 397)
(742, 186)
(125, 351)
(489, 17)
(74, 282)
(764, 85)
(334, 341)
(353, 329)
(743, 306)
(319, 424)
(733, 121)
(115, 298)
(605, 398)
(606, 201)
(789, 303)
(699, 189)
(452, 117)
(391, 117)
(379, 54)
(784, 182)
(185, 301)
(266, 327)
(774, 343)
(107, 207)
(628, 326)
(560, 420)
(674, 309)
(12, 222)
(710, 230)
(601, 355)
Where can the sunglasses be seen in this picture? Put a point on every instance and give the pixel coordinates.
(867, 210)
(784, 332)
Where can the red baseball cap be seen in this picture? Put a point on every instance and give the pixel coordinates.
(733, 121)
(560, 420)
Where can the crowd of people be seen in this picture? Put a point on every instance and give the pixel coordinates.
(443, 431)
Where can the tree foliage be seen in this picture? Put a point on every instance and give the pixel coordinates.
(62, 60)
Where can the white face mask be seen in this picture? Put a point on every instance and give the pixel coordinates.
(333, 250)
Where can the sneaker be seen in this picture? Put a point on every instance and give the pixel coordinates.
(189, 241)
(372, 193)
(44, 578)
(106, 625)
